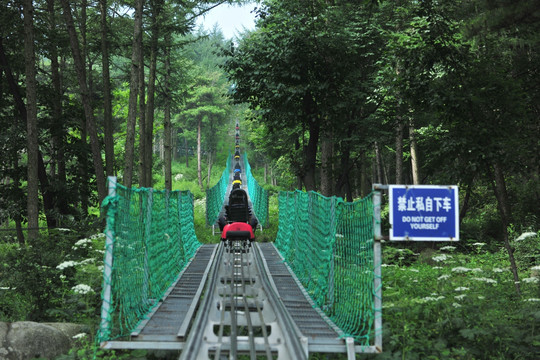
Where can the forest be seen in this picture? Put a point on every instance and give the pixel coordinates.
(332, 96)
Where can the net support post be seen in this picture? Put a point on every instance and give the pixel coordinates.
(351, 354)
(377, 262)
(107, 267)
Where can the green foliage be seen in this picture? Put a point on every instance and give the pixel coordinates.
(527, 251)
(460, 306)
(55, 278)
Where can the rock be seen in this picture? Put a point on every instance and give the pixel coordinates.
(27, 340)
(70, 329)
(3, 334)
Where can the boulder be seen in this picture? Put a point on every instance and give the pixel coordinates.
(27, 340)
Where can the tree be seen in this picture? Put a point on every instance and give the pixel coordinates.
(86, 100)
(31, 120)
(133, 92)
(308, 68)
(107, 104)
(205, 108)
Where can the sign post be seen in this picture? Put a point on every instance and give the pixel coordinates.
(424, 212)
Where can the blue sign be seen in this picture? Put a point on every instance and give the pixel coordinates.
(424, 212)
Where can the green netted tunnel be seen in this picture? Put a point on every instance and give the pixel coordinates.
(329, 245)
(257, 194)
(216, 195)
(150, 238)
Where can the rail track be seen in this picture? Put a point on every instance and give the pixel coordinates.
(241, 312)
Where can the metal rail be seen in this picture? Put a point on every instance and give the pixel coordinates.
(191, 348)
(240, 297)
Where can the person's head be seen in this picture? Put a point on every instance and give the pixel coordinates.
(237, 196)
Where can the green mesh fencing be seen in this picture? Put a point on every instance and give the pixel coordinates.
(216, 195)
(258, 195)
(329, 245)
(150, 238)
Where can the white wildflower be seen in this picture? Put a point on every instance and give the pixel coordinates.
(481, 297)
(388, 265)
(439, 258)
(537, 267)
(498, 270)
(461, 288)
(487, 280)
(533, 280)
(479, 244)
(82, 289)
(79, 336)
(437, 267)
(456, 305)
(448, 248)
(82, 243)
(66, 264)
(87, 261)
(460, 297)
(429, 298)
(532, 300)
(476, 270)
(443, 277)
(414, 270)
(62, 229)
(460, 269)
(62, 277)
(525, 235)
(388, 305)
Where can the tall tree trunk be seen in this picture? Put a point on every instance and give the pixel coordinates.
(379, 171)
(150, 106)
(142, 122)
(326, 164)
(21, 110)
(415, 168)
(107, 102)
(463, 209)
(399, 150)
(499, 188)
(310, 150)
(83, 180)
(187, 150)
(167, 156)
(57, 130)
(310, 156)
(85, 97)
(199, 175)
(31, 120)
(133, 87)
(265, 172)
(210, 163)
(18, 218)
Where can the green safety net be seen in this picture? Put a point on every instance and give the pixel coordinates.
(216, 195)
(258, 195)
(150, 239)
(329, 245)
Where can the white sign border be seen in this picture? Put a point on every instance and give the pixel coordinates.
(423, 238)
